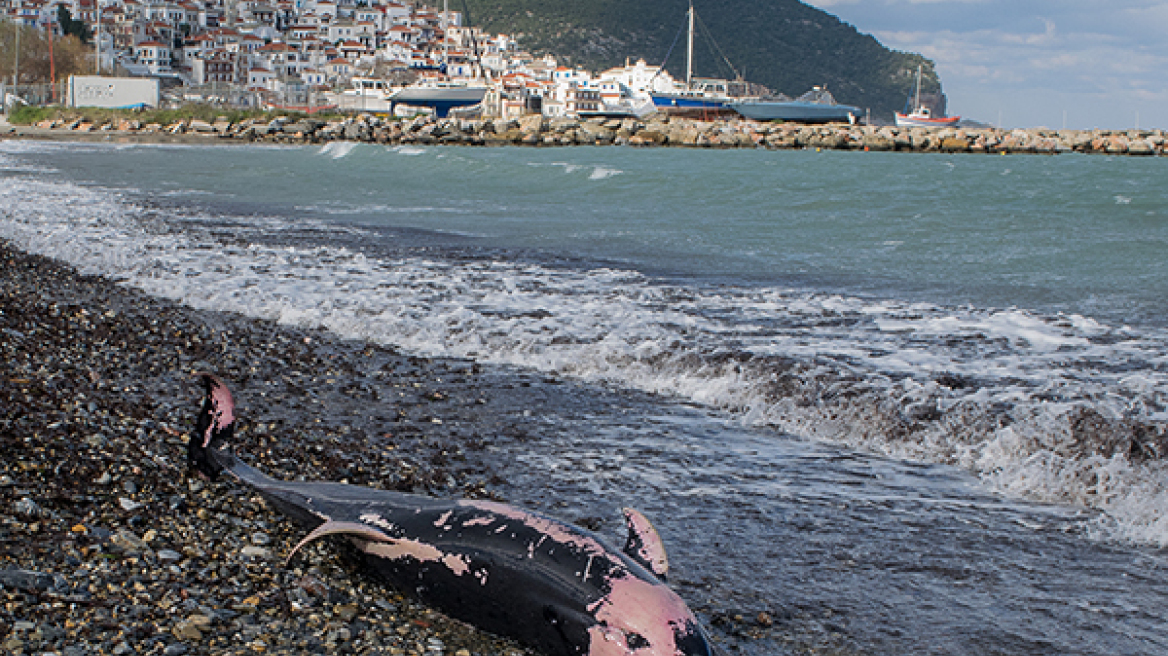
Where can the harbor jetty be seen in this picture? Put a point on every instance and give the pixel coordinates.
(656, 131)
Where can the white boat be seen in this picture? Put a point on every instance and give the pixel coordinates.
(815, 106)
(439, 95)
(921, 116)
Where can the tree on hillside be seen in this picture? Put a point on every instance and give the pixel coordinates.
(70, 27)
(69, 54)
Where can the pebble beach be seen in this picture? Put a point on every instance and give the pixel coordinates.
(109, 546)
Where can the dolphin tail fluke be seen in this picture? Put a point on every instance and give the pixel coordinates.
(215, 427)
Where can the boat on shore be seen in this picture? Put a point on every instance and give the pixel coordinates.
(696, 95)
(377, 95)
(439, 95)
(815, 106)
(920, 116)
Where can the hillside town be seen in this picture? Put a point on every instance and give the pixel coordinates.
(309, 54)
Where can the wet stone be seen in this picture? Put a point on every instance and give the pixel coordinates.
(169, 555)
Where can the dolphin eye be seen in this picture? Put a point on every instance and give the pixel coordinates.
(636, 641)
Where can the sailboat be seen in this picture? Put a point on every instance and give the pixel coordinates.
(702, 95)
(921, 116)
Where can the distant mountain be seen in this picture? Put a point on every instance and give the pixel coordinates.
(783, 44)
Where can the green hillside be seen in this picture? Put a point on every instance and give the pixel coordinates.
(783, 44)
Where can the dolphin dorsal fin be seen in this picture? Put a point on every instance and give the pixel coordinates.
(644, 544)
(330, 527)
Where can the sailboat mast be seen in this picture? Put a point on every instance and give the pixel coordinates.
(917, 104)
(689, 50)
(445, 36)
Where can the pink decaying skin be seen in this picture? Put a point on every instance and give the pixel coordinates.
(650, 610)
(222, 408)
(554, 530)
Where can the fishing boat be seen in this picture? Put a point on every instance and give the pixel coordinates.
(921, 116)
(815, 106)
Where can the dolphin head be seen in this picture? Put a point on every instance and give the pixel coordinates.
(640, 617)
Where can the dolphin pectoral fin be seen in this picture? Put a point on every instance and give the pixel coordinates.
(330, 527)
(644, 544)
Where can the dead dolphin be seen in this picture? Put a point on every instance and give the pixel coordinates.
(548, 584)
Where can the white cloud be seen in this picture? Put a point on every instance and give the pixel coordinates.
(1099, 62)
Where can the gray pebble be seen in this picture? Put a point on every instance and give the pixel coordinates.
(27, 507)
(169, 555)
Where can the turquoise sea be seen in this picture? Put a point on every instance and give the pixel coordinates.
(905, 403)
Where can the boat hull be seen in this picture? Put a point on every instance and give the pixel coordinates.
(668, 101)
(796, 111)
(910, 121)
(440, 99)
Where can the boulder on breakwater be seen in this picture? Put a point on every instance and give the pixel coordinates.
(654, 131)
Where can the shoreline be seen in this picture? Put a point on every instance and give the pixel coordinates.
(107, 545)
(660, 131)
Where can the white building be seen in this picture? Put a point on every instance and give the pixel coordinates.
(154, 56)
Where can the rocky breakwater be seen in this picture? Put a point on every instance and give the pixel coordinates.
(536, 131)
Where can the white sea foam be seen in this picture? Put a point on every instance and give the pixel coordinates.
(603, 172)
(408, 150)
(594, 172)
(1000, 392)
(338, 149)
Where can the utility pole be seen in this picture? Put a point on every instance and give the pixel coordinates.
(16, 63)
(52, 66)
(97, 40)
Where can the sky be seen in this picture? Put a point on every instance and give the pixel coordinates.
(1078, 64)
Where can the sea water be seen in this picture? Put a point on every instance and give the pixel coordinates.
(903, 403)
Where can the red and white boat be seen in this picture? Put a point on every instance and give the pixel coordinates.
(921, 116)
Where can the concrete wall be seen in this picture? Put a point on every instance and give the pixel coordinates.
(100, 91)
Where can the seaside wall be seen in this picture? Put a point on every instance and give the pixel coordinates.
(660, 131)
